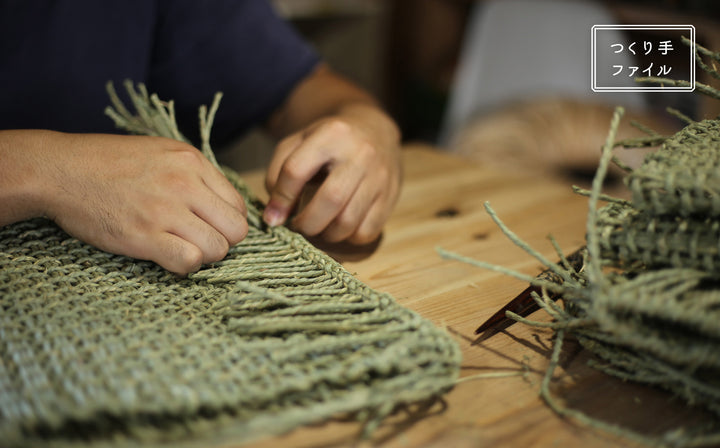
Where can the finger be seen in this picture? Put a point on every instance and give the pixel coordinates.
(192, 228)
(283, 150)
(379, 212)
(372, 224)
(298, 169)
(346, 223)
(170, 251)
(220, 185)
(193, 163)
(331, 199)
(223, 217)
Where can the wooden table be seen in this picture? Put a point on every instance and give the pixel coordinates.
(442, 206)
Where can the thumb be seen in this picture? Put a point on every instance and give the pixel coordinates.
(296, 173)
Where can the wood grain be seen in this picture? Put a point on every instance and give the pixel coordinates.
(442, 206)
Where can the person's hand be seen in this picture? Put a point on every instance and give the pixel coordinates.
(150, 198)
(359, 150)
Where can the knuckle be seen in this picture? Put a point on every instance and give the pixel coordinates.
(282, 198)
(145, 218)
(188, 152)
(383, 176)
(218, 248)
(189, 159)
(239, 232)
(334, 197)
(189, 258)
(292, 170)
(287, 143)
(177, 182)
(238, 203)
(341, 228)
(345, 223)
(366, 234)
(338, 126)
(367, 151)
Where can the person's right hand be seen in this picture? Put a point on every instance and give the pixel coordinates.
(150, 198)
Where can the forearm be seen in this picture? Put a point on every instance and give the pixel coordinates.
(324, 94)
(20, 173)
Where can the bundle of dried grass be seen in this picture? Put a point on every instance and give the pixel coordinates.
(647, 300)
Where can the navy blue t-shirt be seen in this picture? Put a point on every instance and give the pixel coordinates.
(57, 55)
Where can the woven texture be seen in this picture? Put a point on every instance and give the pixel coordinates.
(632, 239)
(672, 220)
(277, 334)
(654, 317)
(683, 176)
(658, 322)
(100, 349)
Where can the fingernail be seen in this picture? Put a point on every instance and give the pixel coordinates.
(272, 216)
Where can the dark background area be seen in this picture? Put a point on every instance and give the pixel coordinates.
(405, 52)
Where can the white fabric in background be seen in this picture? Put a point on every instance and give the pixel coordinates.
(523, 49)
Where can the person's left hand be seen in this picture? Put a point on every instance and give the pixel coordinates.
(359, 150)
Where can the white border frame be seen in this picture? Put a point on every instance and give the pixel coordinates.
(596, 88)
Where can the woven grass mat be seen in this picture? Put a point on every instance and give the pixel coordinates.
(100, 349)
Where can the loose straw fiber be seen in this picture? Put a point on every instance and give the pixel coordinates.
(654, 318)
(100, 349)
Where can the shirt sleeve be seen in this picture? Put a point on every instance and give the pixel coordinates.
(239, 47)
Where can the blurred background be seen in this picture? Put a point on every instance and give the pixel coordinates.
(411, 54)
